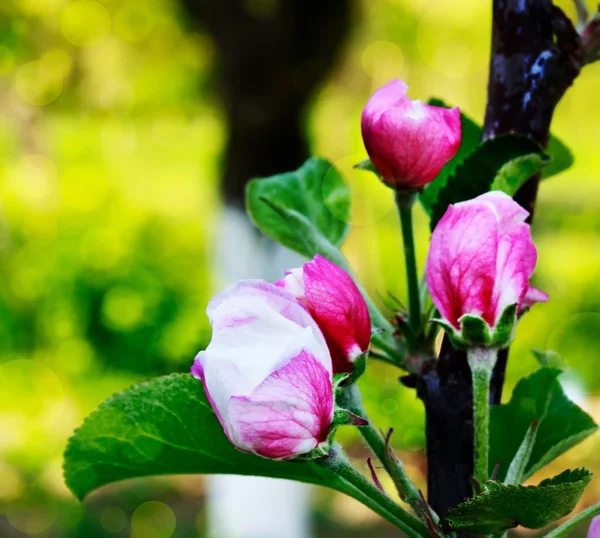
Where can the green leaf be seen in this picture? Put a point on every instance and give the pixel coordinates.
(472, 134)
(516, 172)
(166, 426)
(502, 507)
(562, 424)
(471, 138)
(368, 166)
(562, 158)
(549, 359)
(312, 192)
(475, 175)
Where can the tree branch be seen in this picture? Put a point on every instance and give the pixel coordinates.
(536, 55)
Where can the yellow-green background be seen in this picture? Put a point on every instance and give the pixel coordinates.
(111, 136)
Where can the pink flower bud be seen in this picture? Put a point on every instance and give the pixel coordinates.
(594, 531)
(336, 304)
(408, 141)
(481, 259)
(267, 372)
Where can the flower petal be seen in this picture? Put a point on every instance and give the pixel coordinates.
(461, 266)
(288, 414)
(257, 329)
(337, 305)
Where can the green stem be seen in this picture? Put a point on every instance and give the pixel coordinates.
(481, 362)
(350, 398)
(375, 499)
(405, 201)
(568, 526)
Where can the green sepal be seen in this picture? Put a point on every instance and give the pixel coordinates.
(368, 166)
(343, 417)
(320, 451)
(504, 332)
(500, 507)
(474, 330)
(451, 332)
(339, 380)
(358, 368)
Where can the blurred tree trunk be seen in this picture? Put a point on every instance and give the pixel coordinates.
(536, 55)
(272, 55)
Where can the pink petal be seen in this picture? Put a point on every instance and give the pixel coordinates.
(533, 296)
(257, 330)
(408, 141)
(387, 96)
(461, 265)
(594, 531)
(515, 264)
(339, 309)
(289, 414)
(259, 290)
(507, 211)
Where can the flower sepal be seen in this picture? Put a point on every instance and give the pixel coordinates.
(504, 332)
(368, 166)
(475, 331)
(341, 417)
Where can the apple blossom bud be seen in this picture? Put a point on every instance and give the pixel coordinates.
(267, 372)
(594, 531)
(408, 141)
(336, 304)
(480, 261)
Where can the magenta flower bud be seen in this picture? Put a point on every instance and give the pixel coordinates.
(408, 141)
(336, 304)
(267, 372)
(594, 531)
(480, 261)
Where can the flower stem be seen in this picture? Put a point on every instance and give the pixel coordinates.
(405, 202)
(568, 526)
(481, 362)
(375, 499)
(350, 398)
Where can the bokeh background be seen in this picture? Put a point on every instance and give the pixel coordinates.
(112, 136)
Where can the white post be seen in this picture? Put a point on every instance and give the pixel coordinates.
(242, 506)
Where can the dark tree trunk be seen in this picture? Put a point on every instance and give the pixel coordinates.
(269, 64)
(536, 55)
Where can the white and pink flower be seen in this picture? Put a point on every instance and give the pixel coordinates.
(336, 304)
(267, 371)
(408, 141)
(481, 260)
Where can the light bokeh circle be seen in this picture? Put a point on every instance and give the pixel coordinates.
(383, 61)
(153, 519)
(85, 23)
(449, 38)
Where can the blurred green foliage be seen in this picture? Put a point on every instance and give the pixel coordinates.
(110, 144)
